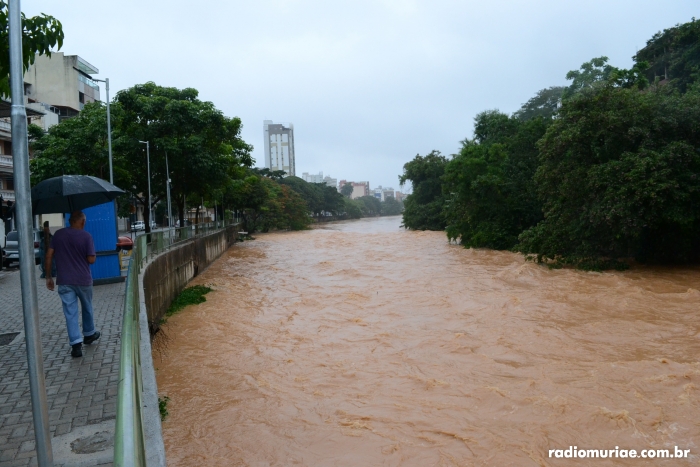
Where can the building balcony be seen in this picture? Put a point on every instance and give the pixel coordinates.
(7, 195)
(6, 162)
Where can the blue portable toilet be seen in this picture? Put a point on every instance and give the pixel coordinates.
(101, 222)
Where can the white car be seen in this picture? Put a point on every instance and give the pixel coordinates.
(138, 225)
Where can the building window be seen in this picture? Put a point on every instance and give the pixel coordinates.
(81, 97)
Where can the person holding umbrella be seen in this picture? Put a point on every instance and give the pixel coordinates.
(75, 252)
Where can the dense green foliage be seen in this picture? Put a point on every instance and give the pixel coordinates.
(267, 201)
(619, 177)
(40, 34)
(673, 54)
(391, 207)
(204, 149)
(544, 104)
(346, 190)
(193, 295)
(492, 197)
(591, 175)
(423, 209)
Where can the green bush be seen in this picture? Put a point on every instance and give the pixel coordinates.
(189, 296)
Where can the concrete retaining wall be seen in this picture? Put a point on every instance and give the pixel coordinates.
(169, 273)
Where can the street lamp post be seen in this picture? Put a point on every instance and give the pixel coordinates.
(148, 174)
(109, 129)
(27, 274)
(167, 178)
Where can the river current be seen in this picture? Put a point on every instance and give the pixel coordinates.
(361, 344)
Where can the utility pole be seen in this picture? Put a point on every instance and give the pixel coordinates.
(27, 272)
(148, 174)
(167, 178)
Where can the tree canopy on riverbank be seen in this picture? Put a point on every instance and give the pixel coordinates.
(590, 175)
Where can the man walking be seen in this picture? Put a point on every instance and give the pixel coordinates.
(75, 252)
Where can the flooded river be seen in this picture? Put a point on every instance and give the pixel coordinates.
(361, 344)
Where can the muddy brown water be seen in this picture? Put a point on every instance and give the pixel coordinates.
(361, 344)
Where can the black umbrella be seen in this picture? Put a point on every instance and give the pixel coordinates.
(70, 193)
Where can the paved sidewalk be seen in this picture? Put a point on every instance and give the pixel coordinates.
(81, 391)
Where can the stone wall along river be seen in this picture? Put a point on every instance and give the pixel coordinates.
(361, 344)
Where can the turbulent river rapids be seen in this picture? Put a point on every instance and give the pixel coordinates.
(361, 344)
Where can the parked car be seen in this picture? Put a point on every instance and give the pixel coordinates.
(12, 248)
(138, 225)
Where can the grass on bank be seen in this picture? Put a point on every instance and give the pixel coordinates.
(163, 407)
(189, 296)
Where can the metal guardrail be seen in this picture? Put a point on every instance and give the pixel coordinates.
(129, 440)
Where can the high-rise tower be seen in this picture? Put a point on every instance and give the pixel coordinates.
(279, 146)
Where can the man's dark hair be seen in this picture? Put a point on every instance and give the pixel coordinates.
(76, 216)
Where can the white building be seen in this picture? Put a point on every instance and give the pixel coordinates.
(279, 146)
(383, 193)
(328, 180)
(319, 178)
(313, 178)
(60, 85)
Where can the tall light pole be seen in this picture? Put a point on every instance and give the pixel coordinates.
(109, 129)
(27, 274)
(167, 179)
(148, 174)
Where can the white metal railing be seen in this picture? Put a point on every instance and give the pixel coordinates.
(8, 195)
(6, 161)
(5, 125)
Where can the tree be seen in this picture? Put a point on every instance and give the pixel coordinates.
(267, 204)
(203, 147)
(391, 207)
(423, 209)
(370, 206)
(618, 178)
(544, 104)
(346, 190)
(491, 196)
(592, 72)
(310, 192)
(332, 200)
(77, 145)
(40, 34)
(352, 208)
(673, 54)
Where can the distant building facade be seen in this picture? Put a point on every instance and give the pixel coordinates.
(60, 84)
(319, 178)
(359, 189)
(312, 178)
(383, 193)
(279, 146)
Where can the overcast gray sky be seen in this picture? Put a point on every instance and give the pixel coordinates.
(368, 84)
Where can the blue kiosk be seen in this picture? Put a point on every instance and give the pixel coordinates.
(101, 222)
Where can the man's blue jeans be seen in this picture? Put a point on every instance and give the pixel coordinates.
(70, 295)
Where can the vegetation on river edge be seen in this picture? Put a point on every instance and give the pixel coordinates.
(590, 175)
(193, 295)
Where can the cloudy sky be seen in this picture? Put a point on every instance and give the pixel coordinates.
(368, 84)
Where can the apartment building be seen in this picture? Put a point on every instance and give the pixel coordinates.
(383, 193)
(279, 146)
(359, 189)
